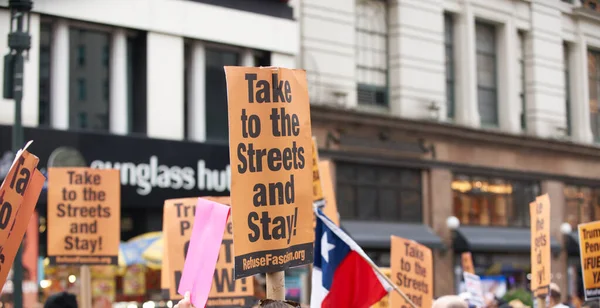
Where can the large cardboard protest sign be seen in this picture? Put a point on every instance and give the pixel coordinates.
(84, 216)
(540, 245)
(19, 193)
(412, 272)
(589, 250)
(271, 168)
(466, 260)
(178, 222)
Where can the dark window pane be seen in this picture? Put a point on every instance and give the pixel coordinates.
(136, 82)
(488, 107)
(87, 93)
(378, 193)
(486, 71)
(217, 127)
(44, 77)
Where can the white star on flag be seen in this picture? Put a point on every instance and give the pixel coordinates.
(325, 247)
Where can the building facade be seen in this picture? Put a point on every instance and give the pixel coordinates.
(459, 108)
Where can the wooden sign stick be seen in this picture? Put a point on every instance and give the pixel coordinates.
(85, 286)
(276, 286)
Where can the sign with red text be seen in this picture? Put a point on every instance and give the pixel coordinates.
(412, 272)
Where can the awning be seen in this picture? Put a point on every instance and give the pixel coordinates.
(572, 243)
(496, 239)
(376, 234)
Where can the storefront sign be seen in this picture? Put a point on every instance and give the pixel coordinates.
(155, 171)
(540, 245)
(412, 272)
(178, 221)
(19, 193)
(467, 263)
(589, 249)
(84, 216)
(271, 153)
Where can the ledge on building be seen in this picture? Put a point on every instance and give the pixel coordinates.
(376, 234)
(496, 240)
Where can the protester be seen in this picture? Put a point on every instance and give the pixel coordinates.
(450, 301)
(61, 300)
(184, 303)
(555, 297)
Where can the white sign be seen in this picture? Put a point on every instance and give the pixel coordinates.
(473, 285)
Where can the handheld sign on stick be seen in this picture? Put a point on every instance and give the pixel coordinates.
(540, 248)
(19, 193)
(270, 144)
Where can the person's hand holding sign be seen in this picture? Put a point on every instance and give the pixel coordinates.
(185, 302)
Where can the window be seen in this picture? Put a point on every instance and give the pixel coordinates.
(369, 192)
(105, 55)
(582, 204)
(449, 43)
(44, 78)
(372, 52)
(86, 95)
(594, 84)
(487, 95)
(522, 79)
(106, 90)
(81, 55)
(485, 201)
(81, 89)
(136, 82)
(217, 128)
(566, 51)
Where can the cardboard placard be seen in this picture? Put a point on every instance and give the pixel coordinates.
(84, 216)
(317, 188)
(330, 209)
(473, 286)
(412, 272)
(466, 260)
(270, 143)
(540, 245)
(178, 221)
(589, 250)
(19, 193)
(385, 301)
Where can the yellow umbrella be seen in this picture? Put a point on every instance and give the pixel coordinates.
(154, 252)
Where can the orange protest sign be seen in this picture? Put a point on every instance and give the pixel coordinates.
(540, 245)
(271, 176)
(412, 272)
(467, 263)
(385, 301)
(19, 193)
(317, 188)
(330, 209)
(589, 250)
(84, 216)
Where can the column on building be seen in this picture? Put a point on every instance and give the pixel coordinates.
(165, 86)
(197, 96)
(545, 95)
(31, 102)
(509, 109)
(119, 112)
(417, 63)
(247, 57)
(59, 81)
(327, 38)
(581, 130)
(466, 111)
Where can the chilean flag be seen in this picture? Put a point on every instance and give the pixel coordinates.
(341, 275)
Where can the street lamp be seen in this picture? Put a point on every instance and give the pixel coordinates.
(19, 42)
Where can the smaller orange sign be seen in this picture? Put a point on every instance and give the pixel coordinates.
(330, 209)
(385, 301)
(19, 194)
(467, 263)
(84, 216)
(412, 272)
(589, 250)
(540, 245)
(317, 188)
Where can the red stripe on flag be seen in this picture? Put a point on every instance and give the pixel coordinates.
(355, 285)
